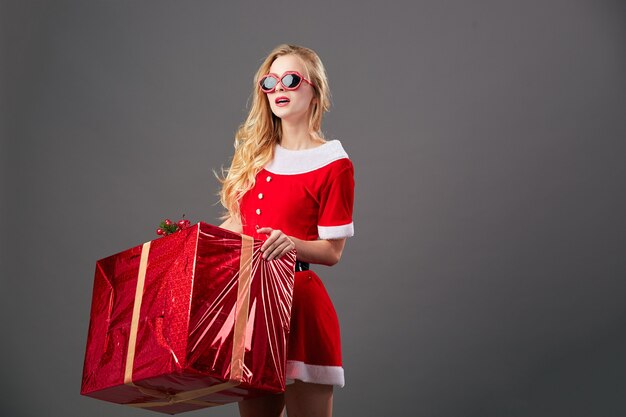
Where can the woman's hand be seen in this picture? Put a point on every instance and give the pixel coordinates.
(276, 245)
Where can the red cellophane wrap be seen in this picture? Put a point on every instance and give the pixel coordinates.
(187, 321)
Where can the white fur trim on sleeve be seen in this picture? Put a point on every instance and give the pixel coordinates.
(318, 374)
(335, 232)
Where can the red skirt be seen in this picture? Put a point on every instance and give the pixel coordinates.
(314, 350)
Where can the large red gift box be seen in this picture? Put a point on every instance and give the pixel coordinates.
(191, 320)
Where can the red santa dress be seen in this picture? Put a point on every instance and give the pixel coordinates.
(308, 194)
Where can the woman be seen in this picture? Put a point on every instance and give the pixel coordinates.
(290, 187)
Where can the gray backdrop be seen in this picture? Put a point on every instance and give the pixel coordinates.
(486, 277)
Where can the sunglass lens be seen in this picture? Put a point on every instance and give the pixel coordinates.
(268, 83)
(291, 80)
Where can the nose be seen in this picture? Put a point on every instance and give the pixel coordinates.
(279, 86)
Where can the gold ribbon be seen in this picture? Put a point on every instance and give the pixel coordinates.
(243, 303)
(187, 397)
(239, 334)
(134, 323)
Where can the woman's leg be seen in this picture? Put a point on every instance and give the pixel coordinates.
(309, 400)
(271, 405)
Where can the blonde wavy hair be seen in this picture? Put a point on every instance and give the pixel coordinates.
(257, 135)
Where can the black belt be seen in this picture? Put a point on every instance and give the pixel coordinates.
(302, 266)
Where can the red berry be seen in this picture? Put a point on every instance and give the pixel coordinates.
(159, 231)
(168, 222)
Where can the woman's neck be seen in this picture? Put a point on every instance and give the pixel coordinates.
(296, 137)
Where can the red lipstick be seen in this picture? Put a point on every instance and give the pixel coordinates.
(281, 101)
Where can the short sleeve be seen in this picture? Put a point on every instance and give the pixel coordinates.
(336, 203)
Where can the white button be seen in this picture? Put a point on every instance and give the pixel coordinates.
(268, 179)
(260, 196)
(258, 211)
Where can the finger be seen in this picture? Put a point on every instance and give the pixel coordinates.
(275, 240)
(270, 242)
(283, 245)
(266, 250)
(265, 230)
(278, 251)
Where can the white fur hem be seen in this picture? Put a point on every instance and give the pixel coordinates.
(317, 374)
(335, 232)
(292, 162)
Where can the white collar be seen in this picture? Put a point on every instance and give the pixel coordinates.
(291, 162)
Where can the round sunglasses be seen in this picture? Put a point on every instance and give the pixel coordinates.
(290, 80)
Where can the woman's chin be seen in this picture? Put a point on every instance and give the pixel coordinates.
(289, 116)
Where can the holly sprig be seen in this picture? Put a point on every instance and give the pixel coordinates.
(167, 227)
